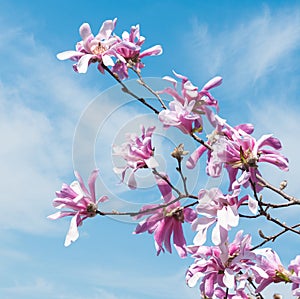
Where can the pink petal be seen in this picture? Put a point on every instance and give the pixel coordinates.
(91, 183)
(106, 29)
(102, 199)
(267, 140)
(131, 181)
(60, 214)
(214, 82)
(164, 188)
(107, 60)
(155, 50)
(189, 215)
(68, 55)
(179, 240)
(73, 233)
(278, 160)
(195, 156)
(151, 162)
(228, 278)
(252, 205)
(85, 31)
(83, 63)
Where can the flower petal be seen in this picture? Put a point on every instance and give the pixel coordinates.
(73, 233)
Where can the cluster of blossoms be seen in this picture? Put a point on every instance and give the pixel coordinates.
(235, 149)
(225, 270)
(109, 50)
(138, 153)
(228, 268)
(163, 222)
(186, 110)
(80, 202)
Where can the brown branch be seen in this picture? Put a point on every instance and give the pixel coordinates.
(126, 90)
(272, 238)
(155, 172)
(199, 140)
(144, 84)
(266, 184)
(132, 214)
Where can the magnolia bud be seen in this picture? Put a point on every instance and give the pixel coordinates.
(179, 152)
(283, 184)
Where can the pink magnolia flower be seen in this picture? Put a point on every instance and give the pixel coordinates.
(165, 222)
(92, 48)
(181, 116)
(294, 269)
(217, 141)
(269, 261)
(227, 266)
(221, 210)
(80, 203)
(237, 150)
(128, 52)
(190, 92)
(243, 152)
(187, 108)
(138, 153)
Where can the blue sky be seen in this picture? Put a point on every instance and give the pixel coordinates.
(253, 45)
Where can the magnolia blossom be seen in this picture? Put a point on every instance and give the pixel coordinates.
(216, 140)
(294, 269)
(167, 221)
(128, 52)
(92, 48)
(190, 92)
(80, 203)
(221, 210)
(187, 108)
(181, 116)
(138, 153)
(243, 152)
(236, 149)
(227, 266)
(269, 261)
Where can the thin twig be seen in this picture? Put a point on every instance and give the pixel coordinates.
(155, 172)
(274, 237)
(199, 140)
(144, 84)
(126, 90)
(132, 214)
(183, 178)
(266, 184)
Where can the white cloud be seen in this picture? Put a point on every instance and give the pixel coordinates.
(39, 106)
(35, 289)
(249, 49)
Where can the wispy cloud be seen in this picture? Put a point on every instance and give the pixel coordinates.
(245, 51)
(39, 107)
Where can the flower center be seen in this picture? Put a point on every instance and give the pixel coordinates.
(91, 209)
(178, 214)
(99, 49)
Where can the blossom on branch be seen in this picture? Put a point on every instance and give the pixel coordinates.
(243, 152)
(92, 48)
(80, 203)
(138, 153)
(216, 140)
(128, 52)
(221, 210)
(166, 221)
(294, 269)
(269, 261)
(109, 50)
(186, 110)
(224, 269)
